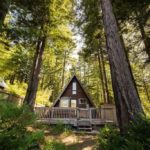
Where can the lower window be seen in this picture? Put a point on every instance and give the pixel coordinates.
(73, 103)
(64, 102)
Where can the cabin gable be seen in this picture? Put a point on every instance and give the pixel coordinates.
(74, 95)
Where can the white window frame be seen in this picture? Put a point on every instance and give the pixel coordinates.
(64, 99)
(71, 103)
(74, 88)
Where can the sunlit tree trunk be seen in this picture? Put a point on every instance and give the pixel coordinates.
(4, 6)
(35, 73)
(146, 90)
(63, 71)
(101, 76)
(12, 79)
(143, 35)
(84, 70)
(105, 77)
(125, 91)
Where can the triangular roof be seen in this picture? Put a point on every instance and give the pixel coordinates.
(74, 76)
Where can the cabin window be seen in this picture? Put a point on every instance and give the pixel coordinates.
(74, 88)
(64, 102)
(82, 101)
(73, 103)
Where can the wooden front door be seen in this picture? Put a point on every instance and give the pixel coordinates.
(84, 113)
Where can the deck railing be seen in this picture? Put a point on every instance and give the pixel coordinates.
(46, 112)
(42, 112)
(63, 113)
(76, 116)
(95, 113)
(56, 112)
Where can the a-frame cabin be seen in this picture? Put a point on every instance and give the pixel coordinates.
(74, 107)
(74, 96)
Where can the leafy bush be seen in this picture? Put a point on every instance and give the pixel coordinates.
(55, 145)
(61, 128)
(137, 137)
(14, 134)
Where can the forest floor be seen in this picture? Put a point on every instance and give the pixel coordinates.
(75, 141)
(71, 139)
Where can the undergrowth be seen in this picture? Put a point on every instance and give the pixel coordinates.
(14, 123)
(137, 137)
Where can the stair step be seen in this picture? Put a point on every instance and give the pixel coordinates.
(84, 123)
(84, 128)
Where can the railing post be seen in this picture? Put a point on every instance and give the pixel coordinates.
(90, 113)
(78, 113)
(102, 113)
(52, 112)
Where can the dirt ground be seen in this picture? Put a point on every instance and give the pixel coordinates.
(72, 140)
(75, 141)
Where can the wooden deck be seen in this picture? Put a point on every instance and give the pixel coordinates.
(77, 116)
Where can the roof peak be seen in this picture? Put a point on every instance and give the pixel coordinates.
(68, 85)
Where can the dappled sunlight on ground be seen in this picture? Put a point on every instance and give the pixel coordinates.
(75, 141)
(72, 140)
(80, 142)
(69, 139)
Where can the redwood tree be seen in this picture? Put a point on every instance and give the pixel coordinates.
(40, 16)
(35, 72)
(126, 96)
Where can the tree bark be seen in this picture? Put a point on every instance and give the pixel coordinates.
(4, 6)
(144, 37)
(105, 77)
(146, 90)
(121, 109)
(125, 91)
(63, 71)
(12, 79)
(101, 76)
(35, 72)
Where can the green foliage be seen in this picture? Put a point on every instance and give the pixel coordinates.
(61, 128)
(136, 138)
(17, 88)
(29, 20)
(14, 123)
(55, 145)
(58, 145)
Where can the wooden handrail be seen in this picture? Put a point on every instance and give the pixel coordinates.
(45, 112)
(76, 113)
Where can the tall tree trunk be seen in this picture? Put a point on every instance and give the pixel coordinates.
(42, 82)
(125, 91)
(101, 76)
(35, 72)
(84, 69)
(12, 79)
(143, 35)
(4, 6)
(105, 77)
(146, 90)
(63, 71)
(121, 108)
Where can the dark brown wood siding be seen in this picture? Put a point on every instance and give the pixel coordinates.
(80, 94)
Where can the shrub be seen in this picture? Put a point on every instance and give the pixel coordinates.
(55, 145)
(13, 128)
(61, 128)
(137, 137)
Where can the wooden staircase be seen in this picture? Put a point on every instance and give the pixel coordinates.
(84, 124)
